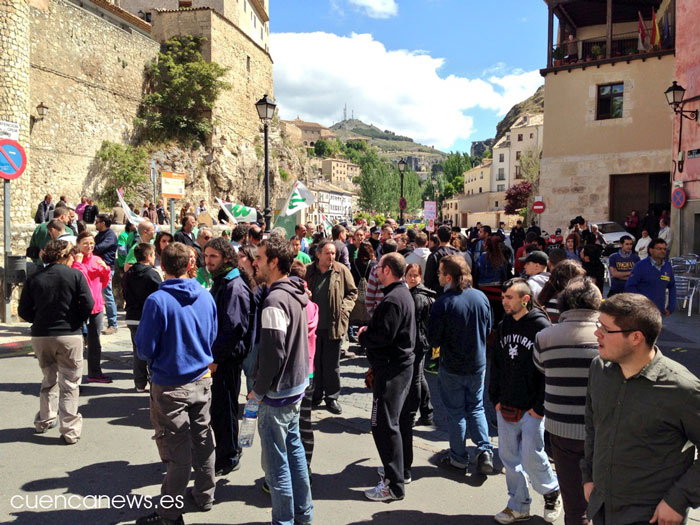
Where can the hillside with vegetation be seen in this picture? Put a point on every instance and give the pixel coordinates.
(533, 105)
(386, 140)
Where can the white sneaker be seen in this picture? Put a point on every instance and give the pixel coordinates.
(381, 492)
(552, 506)
(380, 471)
(509, 515)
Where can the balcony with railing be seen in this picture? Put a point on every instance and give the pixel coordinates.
(595, 32)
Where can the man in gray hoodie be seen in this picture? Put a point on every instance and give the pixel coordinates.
(281, 377)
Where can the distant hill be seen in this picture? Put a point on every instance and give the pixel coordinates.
(386, 140)
(534, 105)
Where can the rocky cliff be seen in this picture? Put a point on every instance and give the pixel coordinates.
(534, 104)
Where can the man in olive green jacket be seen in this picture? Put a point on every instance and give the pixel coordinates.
(333, 290)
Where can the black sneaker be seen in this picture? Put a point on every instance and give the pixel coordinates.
(424, 421)
(484, 463)
(552, 506)
(227, 469)
(157, 519)
(265, 487)
(447, 462)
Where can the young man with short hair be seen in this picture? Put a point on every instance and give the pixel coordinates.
(620, 265)
(389, 339)
(642, 420)
(536, 271)
(281, 377)
(432, 265)
(138, 284)
(176, 333)
(517, 391)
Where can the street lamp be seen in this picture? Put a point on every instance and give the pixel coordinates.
(266, 110)
(402, 168)
(674, 97)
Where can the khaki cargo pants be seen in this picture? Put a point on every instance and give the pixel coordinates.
(61, 361)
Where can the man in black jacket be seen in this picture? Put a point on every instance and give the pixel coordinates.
(106, 247)
(140, 281)
(235, 312)
(517, 392)
(390, 339)
(432, 266)
(57, 301)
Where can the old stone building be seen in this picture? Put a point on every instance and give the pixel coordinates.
(84, 60)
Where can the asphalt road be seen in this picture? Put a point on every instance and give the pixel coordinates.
(116, 457)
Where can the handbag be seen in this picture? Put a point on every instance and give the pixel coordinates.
(359, 315)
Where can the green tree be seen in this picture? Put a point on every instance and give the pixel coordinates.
(125, 167)
(182, 90)
(322, 148)
(375, 183)
(454, 167)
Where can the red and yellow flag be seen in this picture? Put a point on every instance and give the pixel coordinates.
(655, 34)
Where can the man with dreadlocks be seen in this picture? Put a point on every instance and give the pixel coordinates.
(235, 307)
(517, 392)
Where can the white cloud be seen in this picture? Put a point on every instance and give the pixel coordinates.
(378, 8)
(316, 74)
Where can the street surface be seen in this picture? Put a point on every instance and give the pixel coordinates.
(117, 458)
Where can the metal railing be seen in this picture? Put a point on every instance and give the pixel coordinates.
(590, 49)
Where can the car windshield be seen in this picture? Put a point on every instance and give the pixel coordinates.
(610, 227)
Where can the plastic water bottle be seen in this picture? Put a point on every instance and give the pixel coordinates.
(250, 418)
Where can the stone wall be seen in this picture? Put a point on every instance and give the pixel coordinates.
(580, 185)
(90, 73)
(14, 88)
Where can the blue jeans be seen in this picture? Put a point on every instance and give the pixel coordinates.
(284, 464)
(521, 449)
(110, 303)
(463, 397)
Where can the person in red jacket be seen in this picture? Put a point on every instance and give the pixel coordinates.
(97, 274)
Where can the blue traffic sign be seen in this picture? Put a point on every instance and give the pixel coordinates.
(678, 198)
(13, 159)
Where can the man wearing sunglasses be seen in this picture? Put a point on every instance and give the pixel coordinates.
(642, 419)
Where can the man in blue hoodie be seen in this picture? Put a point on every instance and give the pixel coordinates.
(281, 377)
(175, 335)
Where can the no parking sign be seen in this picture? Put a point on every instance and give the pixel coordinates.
(13, 159)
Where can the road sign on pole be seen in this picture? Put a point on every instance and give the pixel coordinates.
(173, 185)
(402, 203)
(538, 207)
(678, 198)
(13, 159)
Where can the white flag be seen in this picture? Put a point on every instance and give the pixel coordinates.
(299, 199)
(238, 212)
(132, 217)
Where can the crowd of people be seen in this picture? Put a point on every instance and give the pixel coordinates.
(590, 414)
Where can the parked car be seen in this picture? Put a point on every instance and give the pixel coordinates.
(612, 233)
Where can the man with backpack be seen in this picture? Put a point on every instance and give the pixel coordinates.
(235, 311)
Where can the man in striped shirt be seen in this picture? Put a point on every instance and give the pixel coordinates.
(563, 352)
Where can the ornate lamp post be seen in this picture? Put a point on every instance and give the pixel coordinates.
(266, 110)
(402, 168)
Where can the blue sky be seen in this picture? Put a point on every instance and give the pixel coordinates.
(442, 71)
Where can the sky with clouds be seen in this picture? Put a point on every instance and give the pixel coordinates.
(441, 71)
